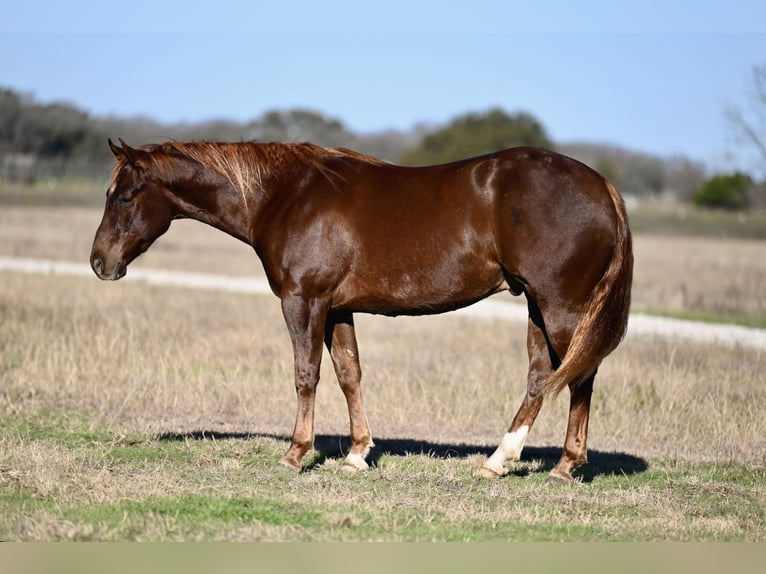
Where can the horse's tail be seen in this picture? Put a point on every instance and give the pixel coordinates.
(604, 319)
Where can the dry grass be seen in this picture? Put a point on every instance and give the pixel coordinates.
(164, 360)
(91, 374)
(194, 354)
(701, 276)
(104, 389)
(66, 233)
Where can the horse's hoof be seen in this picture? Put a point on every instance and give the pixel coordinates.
(283, 468)
(486, 472)
(354, 463)
(559, 479)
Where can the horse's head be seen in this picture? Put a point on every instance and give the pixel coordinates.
(137, 212)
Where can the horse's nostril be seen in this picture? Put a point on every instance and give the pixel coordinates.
(97, 264)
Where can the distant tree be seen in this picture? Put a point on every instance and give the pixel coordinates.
(388, 145)
(643, 174)
(634, 173)
(10, 113)
(749, 123)
(478, 133)
(56, 139)
(297, 126)
(54, 130)
(726, 191)
(608, 169)
(213, 130)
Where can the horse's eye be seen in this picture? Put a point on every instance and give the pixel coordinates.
(125, 200)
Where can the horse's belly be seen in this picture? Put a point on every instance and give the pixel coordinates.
(415, 293)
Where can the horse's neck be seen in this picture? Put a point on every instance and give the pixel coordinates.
(219, 206)
(233, 202)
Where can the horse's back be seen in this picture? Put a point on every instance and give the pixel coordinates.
(536, 213)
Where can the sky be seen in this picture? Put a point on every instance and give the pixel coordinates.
(652, 76)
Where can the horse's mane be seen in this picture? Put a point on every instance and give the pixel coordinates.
(247, 164)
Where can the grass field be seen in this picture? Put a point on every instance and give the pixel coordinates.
(131, 412)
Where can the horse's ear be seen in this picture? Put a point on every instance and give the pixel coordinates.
(116, 151)
(129, 153)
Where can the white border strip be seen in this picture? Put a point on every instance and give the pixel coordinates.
(489, 309)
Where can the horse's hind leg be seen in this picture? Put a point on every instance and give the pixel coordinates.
(340, 340)
(540, 367)
(575, 444)
(542, 360)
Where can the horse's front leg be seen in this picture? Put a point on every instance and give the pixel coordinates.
(305, 318)
(341, 342)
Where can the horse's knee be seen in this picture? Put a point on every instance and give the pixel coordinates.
(306, 378)
(536, 386)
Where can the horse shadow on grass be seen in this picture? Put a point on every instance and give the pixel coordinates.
(534, 459)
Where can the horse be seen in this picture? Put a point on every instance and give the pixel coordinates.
(339, 232)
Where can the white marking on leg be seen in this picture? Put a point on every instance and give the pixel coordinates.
(356, 461)
(509, 449)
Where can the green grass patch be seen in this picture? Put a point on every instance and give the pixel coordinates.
(68, 429)
(10, 362)
(188, 516)
(196, 509)
(64, 478)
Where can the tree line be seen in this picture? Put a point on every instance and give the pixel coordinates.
(51, 140)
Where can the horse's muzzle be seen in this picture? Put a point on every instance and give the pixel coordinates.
(98, 268)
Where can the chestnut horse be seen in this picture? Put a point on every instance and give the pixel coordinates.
(339, 232)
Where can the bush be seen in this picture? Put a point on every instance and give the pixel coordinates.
(726, 191)
(478, 133)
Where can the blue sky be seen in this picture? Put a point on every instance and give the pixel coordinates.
(654, 76)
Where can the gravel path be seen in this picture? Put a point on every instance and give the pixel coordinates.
(640, 325)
